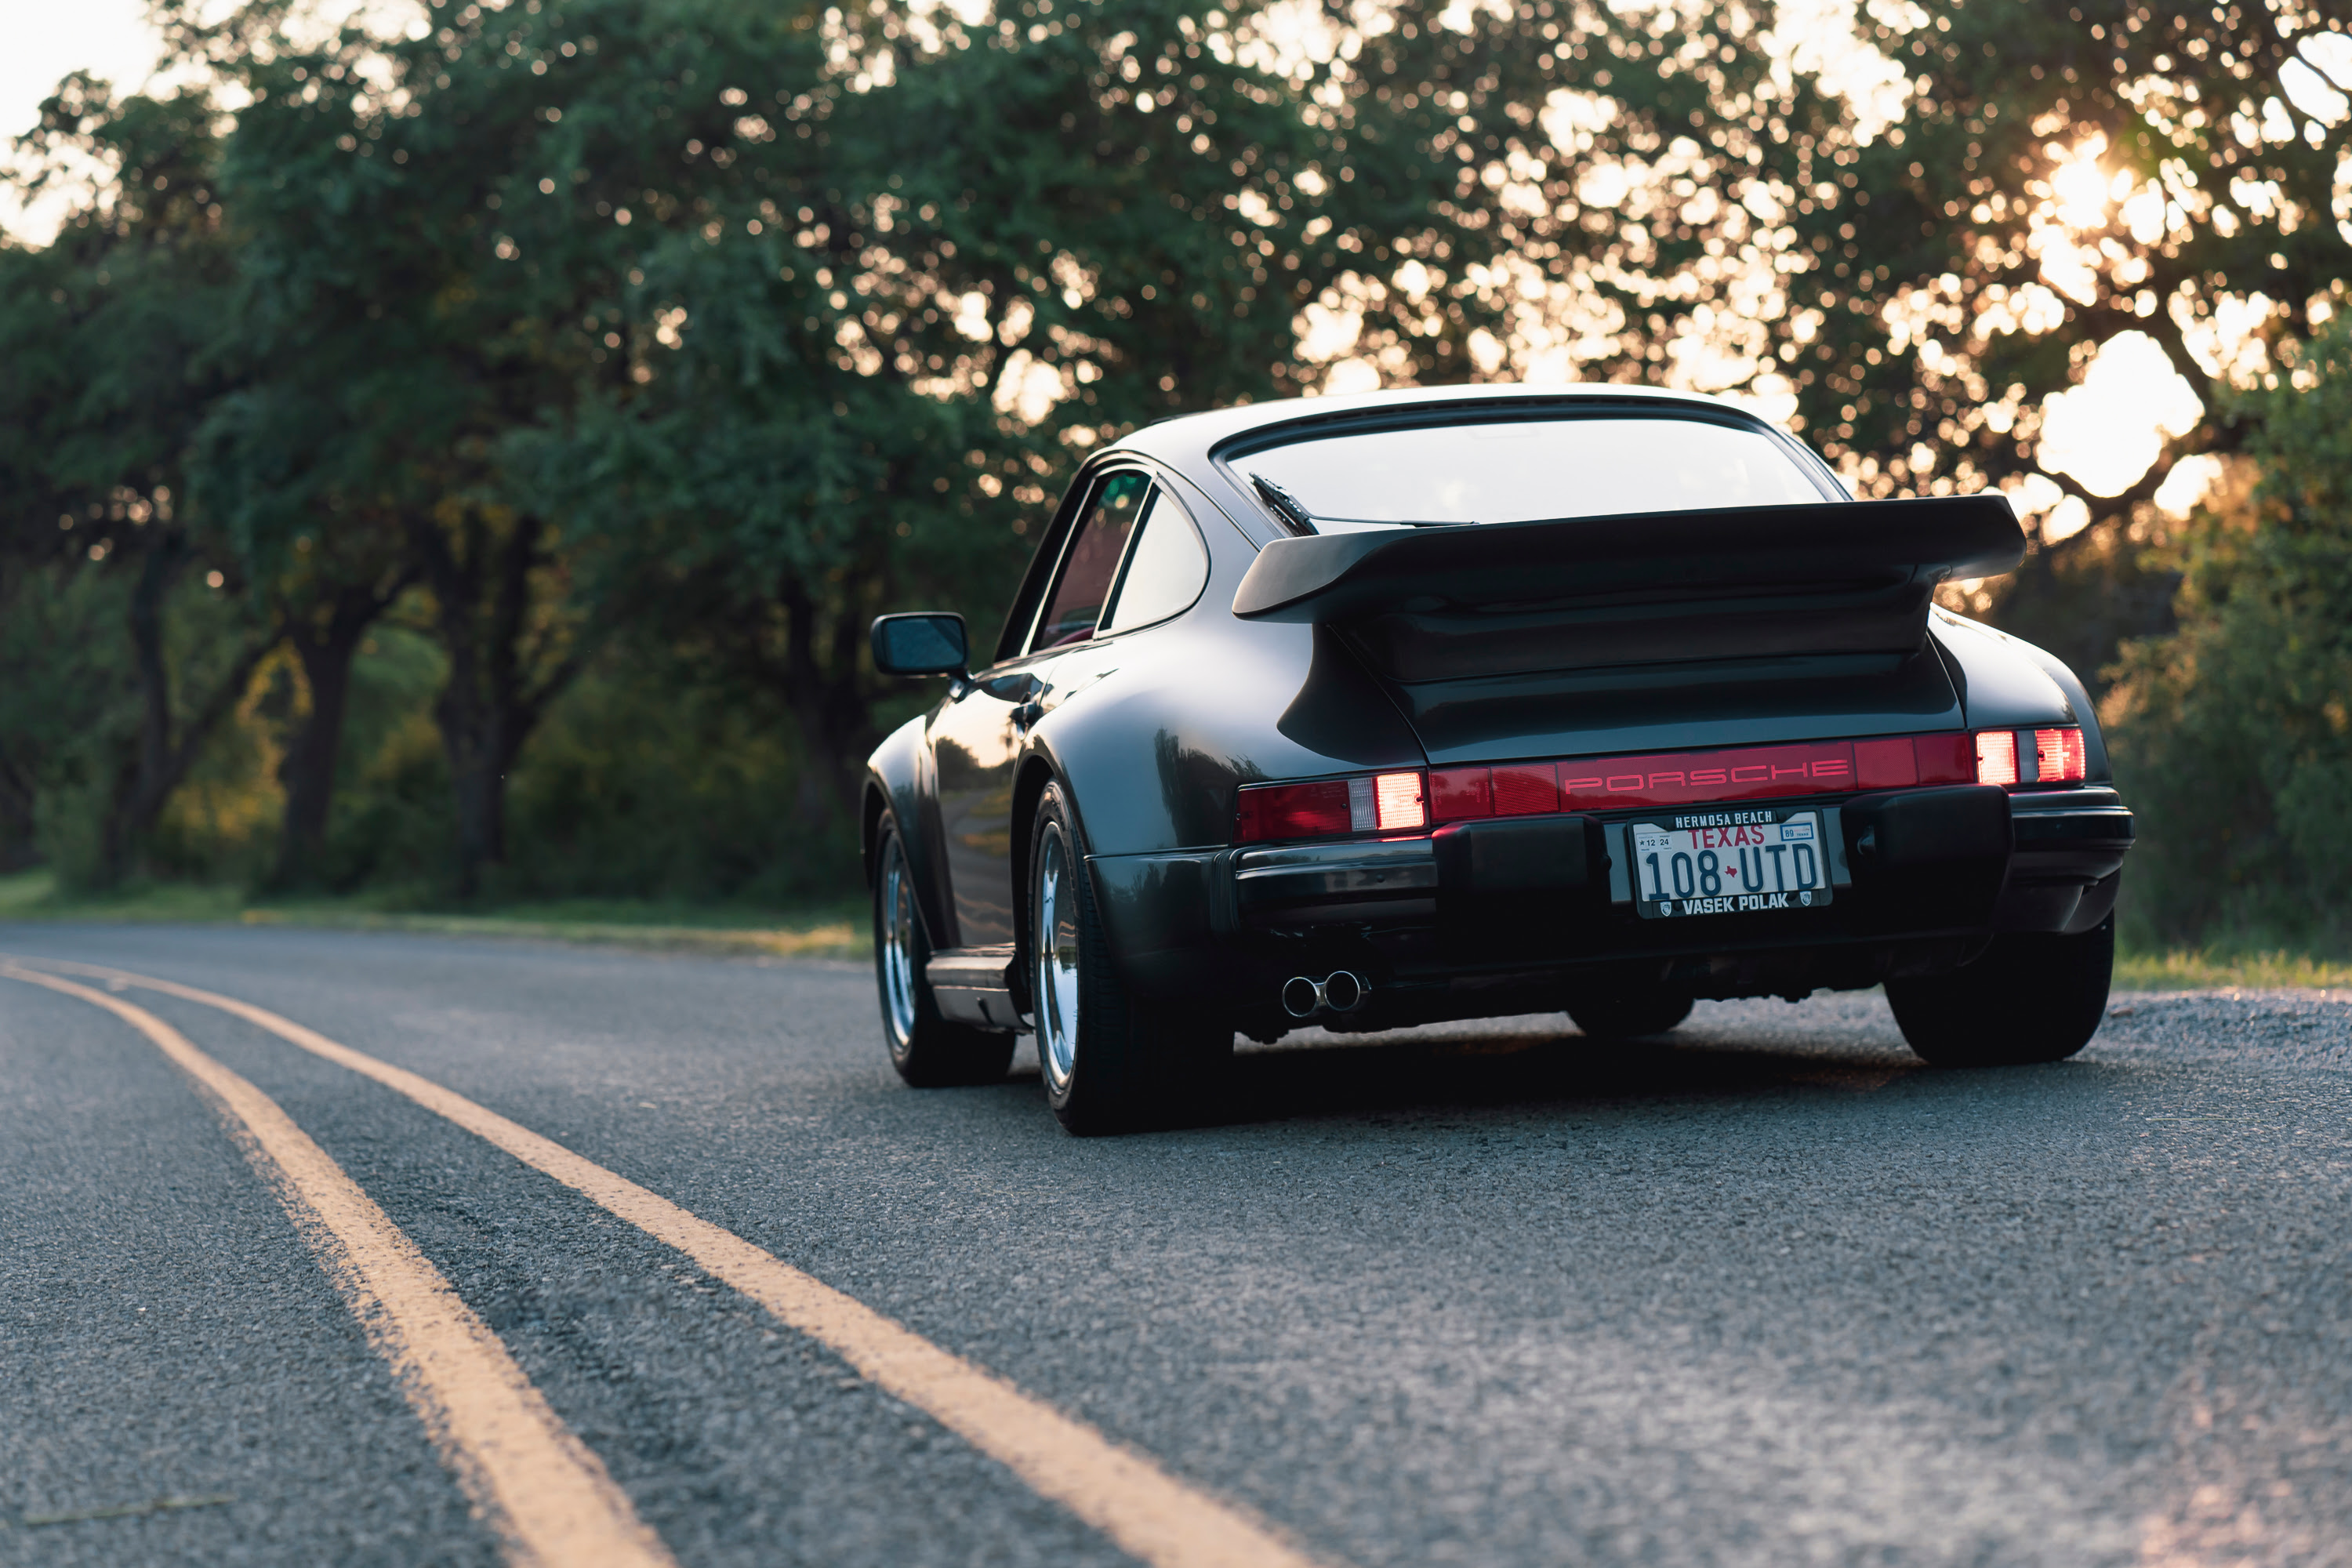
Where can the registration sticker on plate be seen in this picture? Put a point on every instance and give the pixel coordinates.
(1729, 863)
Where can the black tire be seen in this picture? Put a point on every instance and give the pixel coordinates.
(1112, 1062)
(1626, 1010)
(929, 1051)
(2030, 998)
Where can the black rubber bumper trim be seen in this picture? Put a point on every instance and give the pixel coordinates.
(1370, 872)
(2099, 827)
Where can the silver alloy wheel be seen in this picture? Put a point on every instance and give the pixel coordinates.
(898, 946)
(1057, 947)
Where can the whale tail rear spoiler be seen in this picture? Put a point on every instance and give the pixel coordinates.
(1434, 604)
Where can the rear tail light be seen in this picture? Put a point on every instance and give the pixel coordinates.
(1997, 757)
(2014, 757)
(1385, 803)
(1525, 791)
(1292, 811)
(1412, 800)
(2057, 755)
(1397, 803)
(1459, 793)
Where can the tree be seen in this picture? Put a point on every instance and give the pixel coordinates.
(415, 336)
(2233, 733)
(112, 369)
(1915, 269)
(886, 346)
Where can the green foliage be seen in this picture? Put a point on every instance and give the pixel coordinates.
(561, 391)
(646, 786)
(2232, 734)
(109, 336)
(63, 713)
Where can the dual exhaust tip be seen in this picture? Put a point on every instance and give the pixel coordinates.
(1338, 991)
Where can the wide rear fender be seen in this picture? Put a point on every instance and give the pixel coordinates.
(899, 780)
(2006, 682)
(1153, 750)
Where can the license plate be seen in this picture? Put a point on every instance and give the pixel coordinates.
(1729, 863)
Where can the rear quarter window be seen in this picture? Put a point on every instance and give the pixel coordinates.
(1165, 569)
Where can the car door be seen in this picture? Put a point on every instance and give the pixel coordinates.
(976, 737)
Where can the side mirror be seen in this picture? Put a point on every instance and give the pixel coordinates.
(919, 644)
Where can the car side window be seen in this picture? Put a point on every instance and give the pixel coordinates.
(1090, 561)
(1166, 568)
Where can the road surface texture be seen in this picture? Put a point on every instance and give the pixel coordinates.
(1767, 1292)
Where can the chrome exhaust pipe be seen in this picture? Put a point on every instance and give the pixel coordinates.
(1343, 991)
(1340, 991)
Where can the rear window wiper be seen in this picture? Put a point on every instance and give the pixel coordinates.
(1288, 508)
(1285, 505)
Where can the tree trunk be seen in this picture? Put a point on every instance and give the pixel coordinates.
(828, 707)
(307, 773)
(145, 779)
(479, 785)
(18, 848)
(482, 592)
(134, 802)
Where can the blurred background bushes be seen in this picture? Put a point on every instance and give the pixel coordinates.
(459, 463)
(2234, 733)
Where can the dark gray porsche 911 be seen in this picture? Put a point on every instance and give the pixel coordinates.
(1379, 711)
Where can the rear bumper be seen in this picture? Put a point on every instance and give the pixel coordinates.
(1920, 877)
(2068, 860)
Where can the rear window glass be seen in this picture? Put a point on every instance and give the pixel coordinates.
(1524, 470)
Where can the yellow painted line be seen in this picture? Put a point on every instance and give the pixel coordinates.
(1148, 1513)
(531, 1478)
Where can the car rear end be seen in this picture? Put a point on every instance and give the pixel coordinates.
(1716, 872)
(1713, 748)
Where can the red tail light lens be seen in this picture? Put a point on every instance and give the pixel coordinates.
(1412, 800)
(1457, 792)
(1886, 764)
(1527, 789)
(2057, 755)
(1997, 757)
(1292, 811)
(1946, 758)
(1386, 803)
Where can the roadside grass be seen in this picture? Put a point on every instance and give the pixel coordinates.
(827, 930)
(838, 931)
(2212, 969)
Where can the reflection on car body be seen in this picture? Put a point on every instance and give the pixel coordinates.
(1366, 711)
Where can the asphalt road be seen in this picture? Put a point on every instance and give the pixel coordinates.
(1769, 1293)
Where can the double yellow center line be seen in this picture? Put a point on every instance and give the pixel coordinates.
(536, 1485)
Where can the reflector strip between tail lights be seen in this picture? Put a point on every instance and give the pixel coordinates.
(1411, 801)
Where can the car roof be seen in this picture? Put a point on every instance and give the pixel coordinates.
(1188, 439)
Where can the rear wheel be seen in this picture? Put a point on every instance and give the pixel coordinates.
(929, 1051)
(2030, 998)
(1626, 1010)
(1110, 1061)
